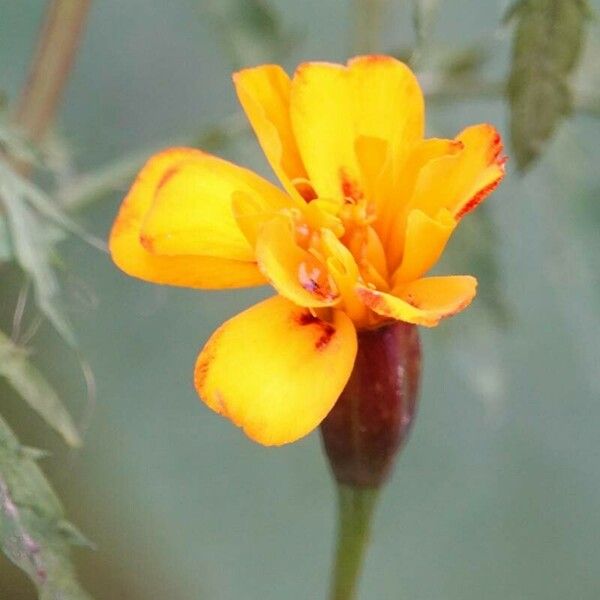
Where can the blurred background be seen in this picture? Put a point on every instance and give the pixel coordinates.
(497, 494)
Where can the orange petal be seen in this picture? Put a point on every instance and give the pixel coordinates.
(276, 370)
(132, 257)
(424, 301)
(190, 208)
(294, 272)
(264, 93)
(461, 181)
(425, 241)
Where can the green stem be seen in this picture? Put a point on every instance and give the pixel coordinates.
(355, 513)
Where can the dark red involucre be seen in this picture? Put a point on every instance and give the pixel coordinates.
(373, 416)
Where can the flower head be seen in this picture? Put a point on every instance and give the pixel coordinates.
(365, 210)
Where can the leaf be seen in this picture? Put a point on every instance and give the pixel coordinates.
(33, 531)
(15, 145)
(35, 390)
(33, 249)
(547, 42)
(39, 200)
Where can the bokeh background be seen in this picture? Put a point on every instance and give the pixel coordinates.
(497, 494)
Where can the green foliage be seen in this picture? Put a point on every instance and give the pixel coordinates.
(35, 390)
(33, 247)
(35, 223)
(13, 144)
(547, 42)
(33, 531)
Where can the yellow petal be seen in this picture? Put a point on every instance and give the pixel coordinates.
(389, 102)
(190, 210)
(391, 220)
(425, 241)
(424, 301)
(374, 162)
(132, 257)
(294, 272)
(323, 115)
(264, 93)
(460, 181)
(332, 107)
(251, 212)
(276, 370)
(344, 271)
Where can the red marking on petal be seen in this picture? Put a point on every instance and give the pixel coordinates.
(316, 281)
(350, 188)
(307, 191)
(479, 197)
(166, 176)
(327, 329)
(373, 58)
(496, 157)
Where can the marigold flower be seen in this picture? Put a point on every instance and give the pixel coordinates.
(366, 209)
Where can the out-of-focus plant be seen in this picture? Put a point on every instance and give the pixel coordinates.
(544, 85)
(547, 43)
(34, 219)
(34, 533)
(250, 29)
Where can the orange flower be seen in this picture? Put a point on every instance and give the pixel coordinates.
(366, 209)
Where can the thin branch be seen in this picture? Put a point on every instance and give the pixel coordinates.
(438, 90)
(51, 65)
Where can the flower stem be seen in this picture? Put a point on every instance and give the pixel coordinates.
(355, 513)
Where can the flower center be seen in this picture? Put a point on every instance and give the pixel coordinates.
(350, 220)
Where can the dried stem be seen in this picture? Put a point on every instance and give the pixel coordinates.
(54, 56)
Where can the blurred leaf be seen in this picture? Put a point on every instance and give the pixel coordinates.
(547, 43)
(252, 30)
(5, 247)
(32, 242)
(33, 531)
(35, 390)
(13, 144)
(38, 199)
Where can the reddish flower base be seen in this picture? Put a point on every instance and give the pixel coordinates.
(373, 416)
